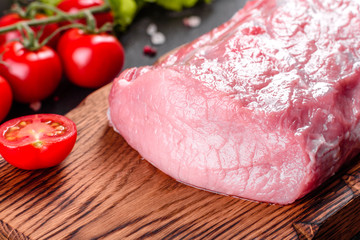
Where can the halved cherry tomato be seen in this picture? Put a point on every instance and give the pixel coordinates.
(32, 75)
(73, 6)
(5, 98)
(13, 18)
(37, 141)
(90, 60)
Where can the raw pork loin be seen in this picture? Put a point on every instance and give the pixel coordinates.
(265, 107)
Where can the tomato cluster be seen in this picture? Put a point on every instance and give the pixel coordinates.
(88, 59)
(31, 71)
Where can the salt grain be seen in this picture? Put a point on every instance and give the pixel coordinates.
(158, 38)
(35, 106)
(192, 21)
(151, 29)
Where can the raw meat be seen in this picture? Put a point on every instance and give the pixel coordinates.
(265, 107)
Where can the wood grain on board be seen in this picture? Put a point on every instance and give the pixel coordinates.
(105, 190)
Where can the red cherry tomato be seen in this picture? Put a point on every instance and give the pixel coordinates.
(90, 60)
(37, 141)
(13, 18)
(5, 98)
(33, 75)
(73, 6)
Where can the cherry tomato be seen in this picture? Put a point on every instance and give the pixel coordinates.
(5, 98)
(90, 60)
(13, 18)
(73, 6)
(37, 141)
(33, 75)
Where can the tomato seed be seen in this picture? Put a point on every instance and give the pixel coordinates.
(60, 128)
(22, 124)
(54, 124)
(38, 144)
(13, 129)
(10, 138)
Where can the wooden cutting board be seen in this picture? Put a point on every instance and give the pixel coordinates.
(105, 190)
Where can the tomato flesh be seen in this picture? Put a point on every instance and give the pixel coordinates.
(37, 141)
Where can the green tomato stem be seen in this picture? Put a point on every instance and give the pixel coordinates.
(30, 42)
(57, 18)
(60, 29)
(107, 27)
(90, 22)
(17, 9)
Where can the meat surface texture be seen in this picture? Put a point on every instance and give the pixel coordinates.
(264, 107)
